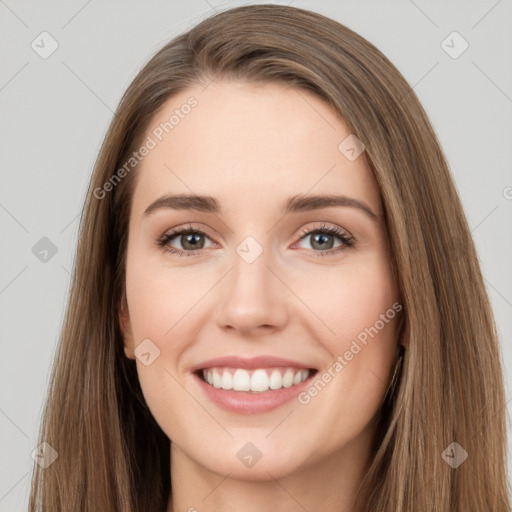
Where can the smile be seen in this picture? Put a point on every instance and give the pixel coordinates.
(253, 385)
(257, 380)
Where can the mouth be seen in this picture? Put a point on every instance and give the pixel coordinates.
(252, 385)
(257, 380)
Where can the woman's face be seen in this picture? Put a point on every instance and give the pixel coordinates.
(259, 277)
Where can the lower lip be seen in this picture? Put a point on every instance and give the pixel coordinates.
(245, 402)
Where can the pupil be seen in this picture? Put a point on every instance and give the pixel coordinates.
(320, 236)
(188, 240)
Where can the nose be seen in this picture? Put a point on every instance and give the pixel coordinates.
(252, 297)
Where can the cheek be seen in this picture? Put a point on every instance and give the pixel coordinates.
(159, 312)
(359, 310)
(350, 299)
(160, 298)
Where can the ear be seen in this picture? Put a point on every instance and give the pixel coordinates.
(126, 328)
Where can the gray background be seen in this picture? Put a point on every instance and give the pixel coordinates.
(55, 111)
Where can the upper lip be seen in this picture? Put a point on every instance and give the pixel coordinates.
(248, 363)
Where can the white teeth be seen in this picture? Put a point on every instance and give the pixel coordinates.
(288, 379)
(257, 381)
(275, 381)
(216, 379)
(241, 381)
(227, 381)
(208, 377)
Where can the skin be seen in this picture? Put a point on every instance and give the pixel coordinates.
(253, 146)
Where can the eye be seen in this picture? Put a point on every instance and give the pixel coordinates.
(323, 237)
(192, 240)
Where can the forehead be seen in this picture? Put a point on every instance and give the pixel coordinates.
(249, 145)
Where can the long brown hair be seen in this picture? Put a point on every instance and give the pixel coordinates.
(112, 455)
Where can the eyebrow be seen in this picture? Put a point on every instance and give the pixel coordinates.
(295, 204)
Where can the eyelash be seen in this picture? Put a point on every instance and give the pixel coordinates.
(348, 241)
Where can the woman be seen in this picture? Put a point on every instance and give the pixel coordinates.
(216, 355)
